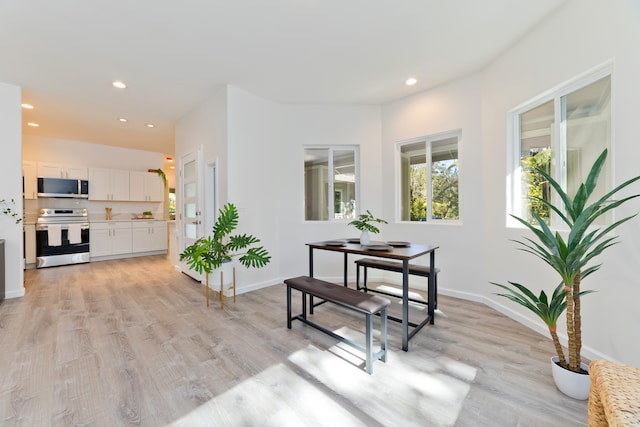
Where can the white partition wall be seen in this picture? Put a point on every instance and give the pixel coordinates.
(11, 186)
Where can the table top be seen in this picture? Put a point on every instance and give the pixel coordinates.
(414, 250)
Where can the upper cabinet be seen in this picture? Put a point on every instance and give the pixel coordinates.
(108, 184)
(145, 187)
(57, 170)
(30, 180)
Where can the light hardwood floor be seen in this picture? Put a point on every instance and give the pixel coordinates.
(130, 342)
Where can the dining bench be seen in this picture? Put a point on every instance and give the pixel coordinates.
(369, 305)
(395, 266)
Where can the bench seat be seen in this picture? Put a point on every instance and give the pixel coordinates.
(369, 305)
(395, 266)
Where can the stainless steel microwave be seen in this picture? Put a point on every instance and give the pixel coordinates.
(62, 187)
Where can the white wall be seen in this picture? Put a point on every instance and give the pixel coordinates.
(324, 125)
(11, 186)
(83, 153)
(206, 126)
(448, 108)
(583, 34)
(253, 162)
(258, 146)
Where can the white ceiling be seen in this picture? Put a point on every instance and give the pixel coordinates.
(65, 54)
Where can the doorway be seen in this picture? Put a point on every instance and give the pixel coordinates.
(190, 205)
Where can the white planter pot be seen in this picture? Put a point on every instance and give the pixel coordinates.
(572, 384)
(365, 239)
(227, 276)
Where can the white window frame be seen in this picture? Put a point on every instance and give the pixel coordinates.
(559, 142)
(427, 140)
(330, 206)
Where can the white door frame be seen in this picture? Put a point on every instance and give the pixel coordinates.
(183, 218)
(211, 201)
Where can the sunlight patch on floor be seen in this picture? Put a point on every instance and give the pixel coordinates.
(269, 399)
(398, 292)
(437, 390)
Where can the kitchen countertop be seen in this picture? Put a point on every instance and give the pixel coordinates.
(125, 219)
(31, 219)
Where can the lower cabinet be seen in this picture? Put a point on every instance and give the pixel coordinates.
(149, 236)
(30, 244)
(110, 238)
(127, 237)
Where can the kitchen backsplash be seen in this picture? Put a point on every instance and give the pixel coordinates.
(96, 209)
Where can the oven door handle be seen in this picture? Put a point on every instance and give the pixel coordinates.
(44, 227)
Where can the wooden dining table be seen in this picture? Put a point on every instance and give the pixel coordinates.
(398, 253)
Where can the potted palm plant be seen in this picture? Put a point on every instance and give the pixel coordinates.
(213, 252)
(364, 223)
(572, 260)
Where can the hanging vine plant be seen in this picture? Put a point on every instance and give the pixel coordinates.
(8, 208)
(161, 174)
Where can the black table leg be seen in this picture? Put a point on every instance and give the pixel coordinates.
(310, 275)
(345, 269)
(405, 304)
(432, 288)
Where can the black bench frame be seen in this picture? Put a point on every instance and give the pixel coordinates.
(368, 347)
(387, 265)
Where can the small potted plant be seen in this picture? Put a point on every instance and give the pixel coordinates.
(571, 259)
(364, 223)
(212, 252)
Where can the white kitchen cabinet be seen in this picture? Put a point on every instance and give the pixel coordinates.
(149, 236)
(30, 243)
(110, 238)
(57, 170)
(30, 179)
(108, 184)
(145, 187)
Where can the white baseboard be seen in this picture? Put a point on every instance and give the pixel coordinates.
(14, 294)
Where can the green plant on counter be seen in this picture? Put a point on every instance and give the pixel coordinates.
(364, 222)
(8, 208)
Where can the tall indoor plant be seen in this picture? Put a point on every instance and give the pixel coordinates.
(571, 258)
(364, 223)
(209, 253)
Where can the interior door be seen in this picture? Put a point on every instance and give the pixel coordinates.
(190, 209)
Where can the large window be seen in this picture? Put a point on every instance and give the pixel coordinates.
(330, 183)
(562, 133)
(429, 172)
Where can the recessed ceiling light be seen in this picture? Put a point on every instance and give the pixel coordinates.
(411, 81)
(27, 106)
(33, 125)
(119, 84)
(123, 120)
(172, 167)
(150, 125)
